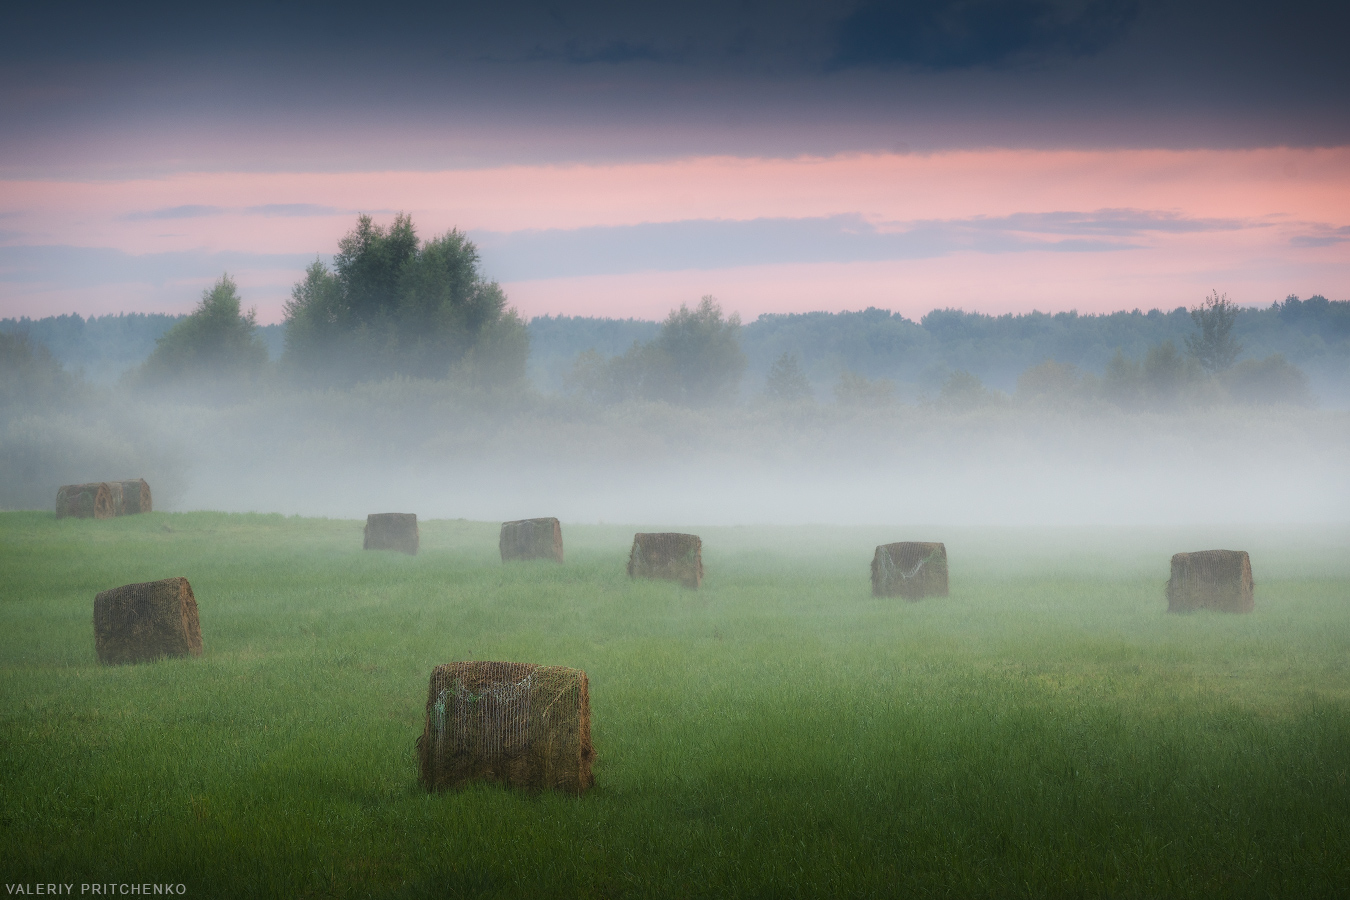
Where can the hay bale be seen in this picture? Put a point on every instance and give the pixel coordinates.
(85, 501)
(115, 493)
(392, 531)
(140, 622)
(666, 555)
(519, 724)
(1211, 579)
(531, 539)
(910, 569)
(131, 497)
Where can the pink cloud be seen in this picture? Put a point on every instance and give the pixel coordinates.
(976, 282)
(1278, 189)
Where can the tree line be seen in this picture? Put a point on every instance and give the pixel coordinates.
(394, 305)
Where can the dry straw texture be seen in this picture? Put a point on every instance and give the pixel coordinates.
(531, 539)
(666, 555)
(392, 531)
(85, 501)
(1211, 579)
(131, 497)
(519, 724)
(910, 569)
(141, 622)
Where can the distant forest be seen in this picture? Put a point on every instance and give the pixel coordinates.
(1313, 334)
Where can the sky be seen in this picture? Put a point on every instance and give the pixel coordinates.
(618, 159)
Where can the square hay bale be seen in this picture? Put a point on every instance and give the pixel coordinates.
(131, 497)
(141, 622)
(669, 556)
(1211, 579)
(531, 539)
(85, 501)
(392, 531)
(519, 724)
(910, 569)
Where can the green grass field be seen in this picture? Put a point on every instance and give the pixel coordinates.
(1048, 730)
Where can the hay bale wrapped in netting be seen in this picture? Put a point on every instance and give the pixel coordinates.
(392, 531)
(910, 569)
(85, 501)
(1211, 579)
(673, 557)
(523, 725)
(531, 539)
(131, 497)
(139, 622)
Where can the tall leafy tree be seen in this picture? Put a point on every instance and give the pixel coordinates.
(29, 374)
(217, 340)
(786, 382)
(1166, 375)
(395, 306)
(315, 315)
(696, 358)
(1214, 347)
(370, 263)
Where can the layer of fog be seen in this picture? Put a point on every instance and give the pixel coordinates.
(665, 467)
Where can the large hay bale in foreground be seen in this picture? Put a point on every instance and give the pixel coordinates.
(667, 555)
(910, 569)
(140, 622)
(131, 497)
(85, 501)
(1211, 579)
(531, 539)
(392, 531)
(523, 725)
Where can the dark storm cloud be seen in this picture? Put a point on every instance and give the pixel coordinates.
(610, 53)
(780, 39)
(956, 34)
(410, 85)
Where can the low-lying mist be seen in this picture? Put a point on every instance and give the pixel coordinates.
(444, 451)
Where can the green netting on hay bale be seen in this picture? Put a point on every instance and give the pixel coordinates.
(1211, 579)
(519, 724)
(531, 539)
(668, 556)
(910, 569)
(85, 501)
(131, 497)
(392, 531)
(141, 622)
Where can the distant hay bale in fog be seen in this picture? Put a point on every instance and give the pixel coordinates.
(85, 501)
(669, 556)
(519, 724)
(1211, 579)
(142, 622)
(910, 569)
(392, 531)
(103, 499)
(131, 497)
(531, 539)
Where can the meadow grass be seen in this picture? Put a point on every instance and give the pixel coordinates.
(1047, 730)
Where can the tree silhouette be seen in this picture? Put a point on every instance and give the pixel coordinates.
(786, 382)
(1214, 347)
(216, 340)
